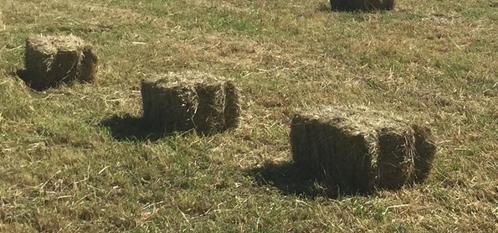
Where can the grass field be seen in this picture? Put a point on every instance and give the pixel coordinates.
(71, 160)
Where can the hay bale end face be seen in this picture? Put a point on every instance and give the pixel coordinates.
(190, 100)
(362, 5)
(53, 60)
(357, 150)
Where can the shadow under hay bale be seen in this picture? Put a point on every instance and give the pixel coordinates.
(288, 178)
(357, 150)
(190, 100)
(129, 127)
(54, 60)
(361, 5)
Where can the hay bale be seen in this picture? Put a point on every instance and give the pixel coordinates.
(188, 100)
(53, 60)
(363, 5)
(358, 149)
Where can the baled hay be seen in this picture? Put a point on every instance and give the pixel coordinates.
(358, 149)
(52, 60)
(365, 5)
(188, 100)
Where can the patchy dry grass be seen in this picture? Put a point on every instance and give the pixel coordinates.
(429, 61)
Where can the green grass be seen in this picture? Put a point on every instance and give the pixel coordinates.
(63, 170)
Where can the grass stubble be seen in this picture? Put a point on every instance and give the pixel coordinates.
(429, 62)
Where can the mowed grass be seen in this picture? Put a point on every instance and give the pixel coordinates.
(69, 161)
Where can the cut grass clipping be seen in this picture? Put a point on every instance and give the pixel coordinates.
(363, 5)
(53, 60)
(190, 100)
(2, 26)
(358, 150)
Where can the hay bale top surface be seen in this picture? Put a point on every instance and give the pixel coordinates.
(357, 120)
(52, 44)
(184, 79)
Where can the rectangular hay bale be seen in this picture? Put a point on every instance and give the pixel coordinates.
(356, 150)
(53, 60)
(190, 100)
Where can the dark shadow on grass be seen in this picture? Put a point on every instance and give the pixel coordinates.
(290, 179)
(130, 127)
(351, 6)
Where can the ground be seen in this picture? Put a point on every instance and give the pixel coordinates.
(72, 160)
